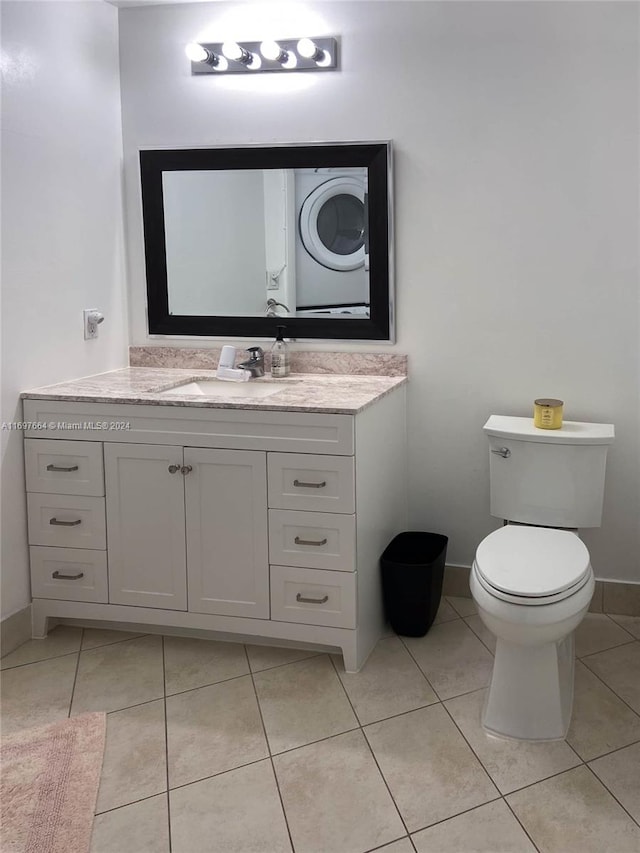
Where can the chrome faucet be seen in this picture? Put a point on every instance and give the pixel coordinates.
(255, 362)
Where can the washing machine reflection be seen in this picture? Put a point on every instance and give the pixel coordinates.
(331, 241)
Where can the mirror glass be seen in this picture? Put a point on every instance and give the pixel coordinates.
(239, 240)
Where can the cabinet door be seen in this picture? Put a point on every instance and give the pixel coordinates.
(227, 544)
(145, 525)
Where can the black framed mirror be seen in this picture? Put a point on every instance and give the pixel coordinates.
(240, 240)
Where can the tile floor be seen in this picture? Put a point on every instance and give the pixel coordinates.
(227, 748)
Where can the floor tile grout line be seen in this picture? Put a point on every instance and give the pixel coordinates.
(487, 647)
(607, 788)
(277, 665)
(608, 686)
(613, 751)
(270, 756)
(447, 698)
(132, 803)
(382, 847)
(236, 677)
(386, 784)
(360, 728)
(166, 741)
(628, 642)
(473, 752)
(366, 740)
(546, 778)
(458, 814)
(572, 748)
(66, 654)
(75, 678)
(40, 660)
(208, 684)
(218, 773)
(524, 829)
(413, 658)
(613, 621)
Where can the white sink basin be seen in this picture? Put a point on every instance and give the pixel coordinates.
(220, 388)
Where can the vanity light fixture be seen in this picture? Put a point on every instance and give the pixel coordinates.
(231, 57)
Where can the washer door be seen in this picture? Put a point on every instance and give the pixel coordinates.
(332, 224)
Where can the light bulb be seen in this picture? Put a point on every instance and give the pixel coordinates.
(271, 50)
(307, 48)
(254, 62)
(196, 53)
(232, 50)
(310, 50)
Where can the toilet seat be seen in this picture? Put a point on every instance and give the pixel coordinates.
(532, 565)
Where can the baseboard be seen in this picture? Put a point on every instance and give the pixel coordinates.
(15, 630)
(609, 596)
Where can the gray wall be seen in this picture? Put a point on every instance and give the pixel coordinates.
(515, 128)
(62, 235)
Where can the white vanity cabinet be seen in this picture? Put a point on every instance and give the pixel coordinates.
(187, 518)
(260, 525)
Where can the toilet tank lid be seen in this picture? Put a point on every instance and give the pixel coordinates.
(571, 432)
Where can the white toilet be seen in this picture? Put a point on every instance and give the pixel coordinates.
(532, 579)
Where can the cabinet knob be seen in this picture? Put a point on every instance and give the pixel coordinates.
(173, 468)
(186, 469)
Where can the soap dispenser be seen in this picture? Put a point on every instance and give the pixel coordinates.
(280, 365)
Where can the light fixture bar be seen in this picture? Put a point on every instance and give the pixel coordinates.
(287, 60)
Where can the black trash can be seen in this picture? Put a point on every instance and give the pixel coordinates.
(412, 571)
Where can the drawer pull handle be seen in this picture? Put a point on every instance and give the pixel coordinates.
(304, 600)
(60, 577)
(60, 468)
(300, 541)
(186, 469)
(172, 469)
(300, 485)
(65, 523)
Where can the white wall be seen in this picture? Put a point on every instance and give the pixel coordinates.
(62, 235)
(515, 128)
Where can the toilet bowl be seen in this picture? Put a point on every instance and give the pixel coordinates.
(532, 587)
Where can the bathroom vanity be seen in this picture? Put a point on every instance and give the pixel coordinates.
(258, 515)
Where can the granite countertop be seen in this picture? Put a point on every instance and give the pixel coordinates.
(301, 392)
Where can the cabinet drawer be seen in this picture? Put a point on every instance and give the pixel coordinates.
(315, 540)
(70, 521)
(72, 574)
(313, 597)
(310, 482)
(64, 467)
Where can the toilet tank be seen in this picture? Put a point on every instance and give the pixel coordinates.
(551, 478)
